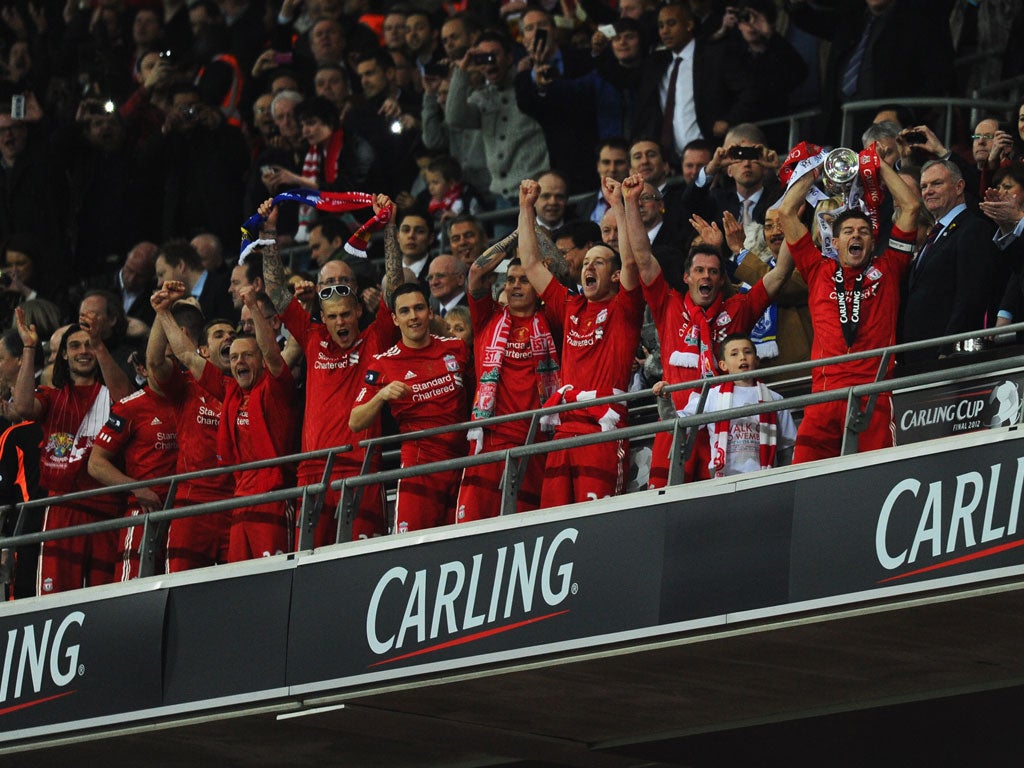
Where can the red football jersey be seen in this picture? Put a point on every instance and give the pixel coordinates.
(739, 314)
(601, 338)
(333, 378)
(879, 310)
(142, 428)
(70, 424)
(198, 414)
(437, 376)
(518, 389)
(258, 424)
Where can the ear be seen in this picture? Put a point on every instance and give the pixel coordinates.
(721, 365)
(615, 276)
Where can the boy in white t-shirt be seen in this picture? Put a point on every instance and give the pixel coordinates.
(748, 443)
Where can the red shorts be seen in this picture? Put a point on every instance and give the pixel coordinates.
(428, 501)
(820, 434)
(79, 561)
(369, 520)
(130, 542)
(261, 531)
(695, 468)
(480, 494)
(586, 473)
(199, 541)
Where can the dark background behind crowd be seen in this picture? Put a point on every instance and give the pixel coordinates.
(146, 121)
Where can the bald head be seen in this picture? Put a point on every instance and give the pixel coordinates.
(610, 230)
(139, 268)
(210, 251)
(447, 277)
(336, 272)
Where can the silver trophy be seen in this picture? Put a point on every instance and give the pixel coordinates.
(840, 170)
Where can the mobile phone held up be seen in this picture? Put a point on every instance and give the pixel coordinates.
(736, 152)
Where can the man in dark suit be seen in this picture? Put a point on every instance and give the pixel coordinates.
(178, 260)
(712, 92)
(447, 280)
(133, 282)
(647, 158)
(667, 242)
(950, 283)
(753, 188)
(880, 49)
(570, 125)
(612, 161)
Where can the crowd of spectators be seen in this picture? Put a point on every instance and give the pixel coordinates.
(135, 138)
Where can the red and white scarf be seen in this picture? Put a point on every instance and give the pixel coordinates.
(768, 430)
(319, 157)
(452, 201)
(608, 417)
(802, 159)
(698, 338)
(545, 357)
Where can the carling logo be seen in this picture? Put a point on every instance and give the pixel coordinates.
(955, 520)
(489, 592)
(39, 660)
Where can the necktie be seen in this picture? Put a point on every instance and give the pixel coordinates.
(852, 73)
(668, 136)
(443, 311)
(748, 212)
(933, 234)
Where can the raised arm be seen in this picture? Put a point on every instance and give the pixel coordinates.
(24, 392)
(114, 377)
(780, 273)
(540, 277)
(159, 368)
(613, 193)
(273, 269)
(636, 232)
(789, 207)
(904, 199)
(265, 336)
(394, 274)
(487, 262)
(458, 112)
(181, 345)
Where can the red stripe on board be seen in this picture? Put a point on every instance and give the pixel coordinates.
(469, 638)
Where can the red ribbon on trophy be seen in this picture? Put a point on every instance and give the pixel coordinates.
(871, 184)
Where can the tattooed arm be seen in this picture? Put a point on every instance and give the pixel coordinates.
(273, 270)
(394, 274)
(487, 262)
(552, 257)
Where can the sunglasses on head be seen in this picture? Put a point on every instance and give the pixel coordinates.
(328, 291)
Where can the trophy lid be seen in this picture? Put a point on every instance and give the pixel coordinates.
(840, 166)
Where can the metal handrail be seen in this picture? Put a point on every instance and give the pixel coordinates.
(947, 104)
(793, 120)
(1011, 85)
(513, 456)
